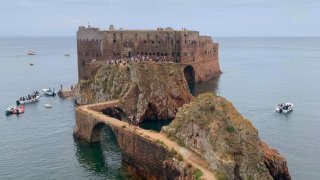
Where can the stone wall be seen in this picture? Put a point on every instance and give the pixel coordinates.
(180, 46)
(154, 162)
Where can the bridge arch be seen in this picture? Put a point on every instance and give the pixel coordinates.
(189, 74)
(96, 132)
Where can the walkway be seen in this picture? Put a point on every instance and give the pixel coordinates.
(188, 156)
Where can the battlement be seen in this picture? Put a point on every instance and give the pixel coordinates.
(183, 46)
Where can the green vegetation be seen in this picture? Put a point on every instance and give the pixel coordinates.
(197, 174)
(221, 176)
(181, 142)
(230, 129)
(180, 157)
(174, 152)
(161, 143)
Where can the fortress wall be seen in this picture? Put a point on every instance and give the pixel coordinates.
(186, 47)
(146, 43)
(89, 46)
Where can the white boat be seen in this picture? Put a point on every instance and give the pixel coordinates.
(34, 97)
(49, 92)
(47, 105)
(284, 107)
(27, 101)
(31, 52)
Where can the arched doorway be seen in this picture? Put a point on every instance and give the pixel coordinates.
(189, 74)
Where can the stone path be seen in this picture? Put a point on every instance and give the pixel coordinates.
(188, 156)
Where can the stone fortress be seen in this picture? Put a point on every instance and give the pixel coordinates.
(197, 55)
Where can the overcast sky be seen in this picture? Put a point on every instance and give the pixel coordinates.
(211, 17)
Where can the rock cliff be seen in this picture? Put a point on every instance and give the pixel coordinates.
(149, 90)
(213, 128)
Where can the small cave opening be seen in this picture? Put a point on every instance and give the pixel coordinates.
(153, 120)
(115, 112)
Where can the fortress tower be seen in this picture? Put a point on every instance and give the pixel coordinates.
(197, 55)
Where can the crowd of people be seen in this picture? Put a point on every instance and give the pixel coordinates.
(138, 58)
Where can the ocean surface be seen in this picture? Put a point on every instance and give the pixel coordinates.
(258, 74)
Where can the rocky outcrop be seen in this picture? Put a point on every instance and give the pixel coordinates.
(213, 128)
(149, 90)
(276, 164)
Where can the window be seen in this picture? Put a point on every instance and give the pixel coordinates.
(177, 41)
(152, 42)
(114, 41)
(185, 54)
(178, 54)
(172, 54)
(159, 42)
(145, 41)
(185, 41)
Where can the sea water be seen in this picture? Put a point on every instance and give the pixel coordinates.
(258, 74)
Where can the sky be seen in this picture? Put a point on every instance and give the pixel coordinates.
(219, 18)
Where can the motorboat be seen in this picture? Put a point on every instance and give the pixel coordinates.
(34, 97)
(31, 52)
(15, 110)
(284, 107)
(49, 92)
(67, 55)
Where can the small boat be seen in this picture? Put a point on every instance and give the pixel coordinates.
(47, 105)
(284, 107)
(49, 92)
(31, 64)
(66, 54)
(31, 52)
(33, 99)
(15, 110)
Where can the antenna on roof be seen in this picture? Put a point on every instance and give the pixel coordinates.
(88, 24)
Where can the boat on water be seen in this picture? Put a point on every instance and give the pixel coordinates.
(284, 107)
(66, 54)
(14, 110)
(34, 97)
(31, 52)
(49, 92)
(28, 100)
(47, 106)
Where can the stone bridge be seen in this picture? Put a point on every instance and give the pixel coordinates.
(150, 153)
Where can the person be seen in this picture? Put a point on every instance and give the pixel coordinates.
(61, 87)
(71, 87)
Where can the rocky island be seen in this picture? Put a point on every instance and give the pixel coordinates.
(207, 126)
